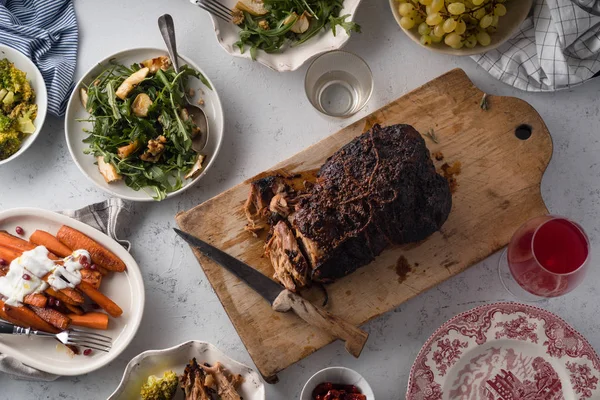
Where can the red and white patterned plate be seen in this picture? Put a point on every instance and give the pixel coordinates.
(505, 351)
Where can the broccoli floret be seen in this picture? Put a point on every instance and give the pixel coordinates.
(15, 80)
(5, 122)
(25, 114)
(160, 388)
(10, 142)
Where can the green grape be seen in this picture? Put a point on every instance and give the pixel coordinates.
(437, 5)
(477, 2)
(425, 40)
(424, 29)
(500, 10)
(449, 25)
(471, 41)
(486, 21)
(438, 31)
(461, 27)
(434, 19)
(483, 38)
(456, 8)
(425, 2)
(407, 22)
(452, 39)
(435, 39)
(405, 9)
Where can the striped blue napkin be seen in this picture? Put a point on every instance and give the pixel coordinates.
(46, 31)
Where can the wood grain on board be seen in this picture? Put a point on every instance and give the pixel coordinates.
(496, 190)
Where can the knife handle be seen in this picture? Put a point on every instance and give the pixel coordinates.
(354, 337)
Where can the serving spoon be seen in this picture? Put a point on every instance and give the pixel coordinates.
(167, 30)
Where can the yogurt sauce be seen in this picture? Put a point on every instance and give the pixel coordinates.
(26, 272)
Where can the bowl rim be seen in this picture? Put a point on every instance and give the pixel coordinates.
(462, 52)
(340, 368)
(270, 61)
(40, 120)
(73, 96)
(157, 352)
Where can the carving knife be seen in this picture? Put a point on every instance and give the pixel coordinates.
(281, 299)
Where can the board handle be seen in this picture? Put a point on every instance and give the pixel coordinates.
(354, 337)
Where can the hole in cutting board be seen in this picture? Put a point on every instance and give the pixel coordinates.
(523, 132)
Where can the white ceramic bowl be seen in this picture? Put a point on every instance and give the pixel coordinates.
(75, 135)
(291, 58)
(126, 289)
(517, 11)
(156, 362)
(23, 63)
(340, 375)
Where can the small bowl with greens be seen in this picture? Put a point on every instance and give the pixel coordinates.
(23, 103)
(128, 130)
(284, 34)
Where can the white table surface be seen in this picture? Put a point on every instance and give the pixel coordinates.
(268, 119)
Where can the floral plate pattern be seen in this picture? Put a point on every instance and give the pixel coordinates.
(505, 351)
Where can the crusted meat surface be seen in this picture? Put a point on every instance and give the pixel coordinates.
(380, 189)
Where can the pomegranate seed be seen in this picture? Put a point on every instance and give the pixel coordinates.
(3, 261)
(83, 260)
(86, 265)
(57, 303)
(26, 277)
(19, 230)
(87, 352)
(93, 267)
(51, 301)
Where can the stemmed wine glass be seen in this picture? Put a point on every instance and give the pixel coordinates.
(547, 256)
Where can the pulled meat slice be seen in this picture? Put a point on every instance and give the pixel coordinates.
(192, 382)
(225, 382)
(262, 192)
(291, 268)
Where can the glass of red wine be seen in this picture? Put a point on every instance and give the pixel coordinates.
(547, 257)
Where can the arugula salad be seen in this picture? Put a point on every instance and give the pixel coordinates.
(269, 24)
(141, 132)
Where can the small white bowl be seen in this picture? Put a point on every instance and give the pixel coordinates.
(517, 12)
(341, 375)
(34, 75)
(156, 362)
(290, 58)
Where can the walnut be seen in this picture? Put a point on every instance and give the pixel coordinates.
(155, 149)
(237, 17)
(264, 24)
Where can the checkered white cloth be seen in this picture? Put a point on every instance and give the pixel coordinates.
(557, 47)
(107, 217)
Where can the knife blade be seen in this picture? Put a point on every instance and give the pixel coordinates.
(281, 299)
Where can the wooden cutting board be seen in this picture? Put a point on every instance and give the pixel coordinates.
(496, 190)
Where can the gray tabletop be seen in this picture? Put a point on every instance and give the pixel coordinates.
(268, 119)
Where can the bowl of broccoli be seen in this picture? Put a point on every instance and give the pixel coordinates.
(23, 103)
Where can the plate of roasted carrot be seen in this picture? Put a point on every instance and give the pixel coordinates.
(57, 273)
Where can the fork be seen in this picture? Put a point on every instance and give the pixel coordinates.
(215, 8)
(75, 337)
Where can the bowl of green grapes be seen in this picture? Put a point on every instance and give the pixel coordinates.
(460, 27)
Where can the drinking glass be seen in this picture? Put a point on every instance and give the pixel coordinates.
(547, 257)
(338, 83)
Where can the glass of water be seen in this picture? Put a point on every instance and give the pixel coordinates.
(338, 83)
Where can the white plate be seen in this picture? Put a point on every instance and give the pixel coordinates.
(505, 351)
(75, 135)
(156, 362)
(291, 58)
(34, 76)
(126, 289)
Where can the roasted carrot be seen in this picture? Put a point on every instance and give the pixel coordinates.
(101, 256)
(93, 320)
(27, 318)
(94, 278)
(36, 299)
(104, 302)
(68, 296)
(7, 318)
(103, 271)
(8, 254)
(20, 245)
(74, 309)
(53, 317)
(43, 238)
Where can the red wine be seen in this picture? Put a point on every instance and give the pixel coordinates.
(560, 246)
